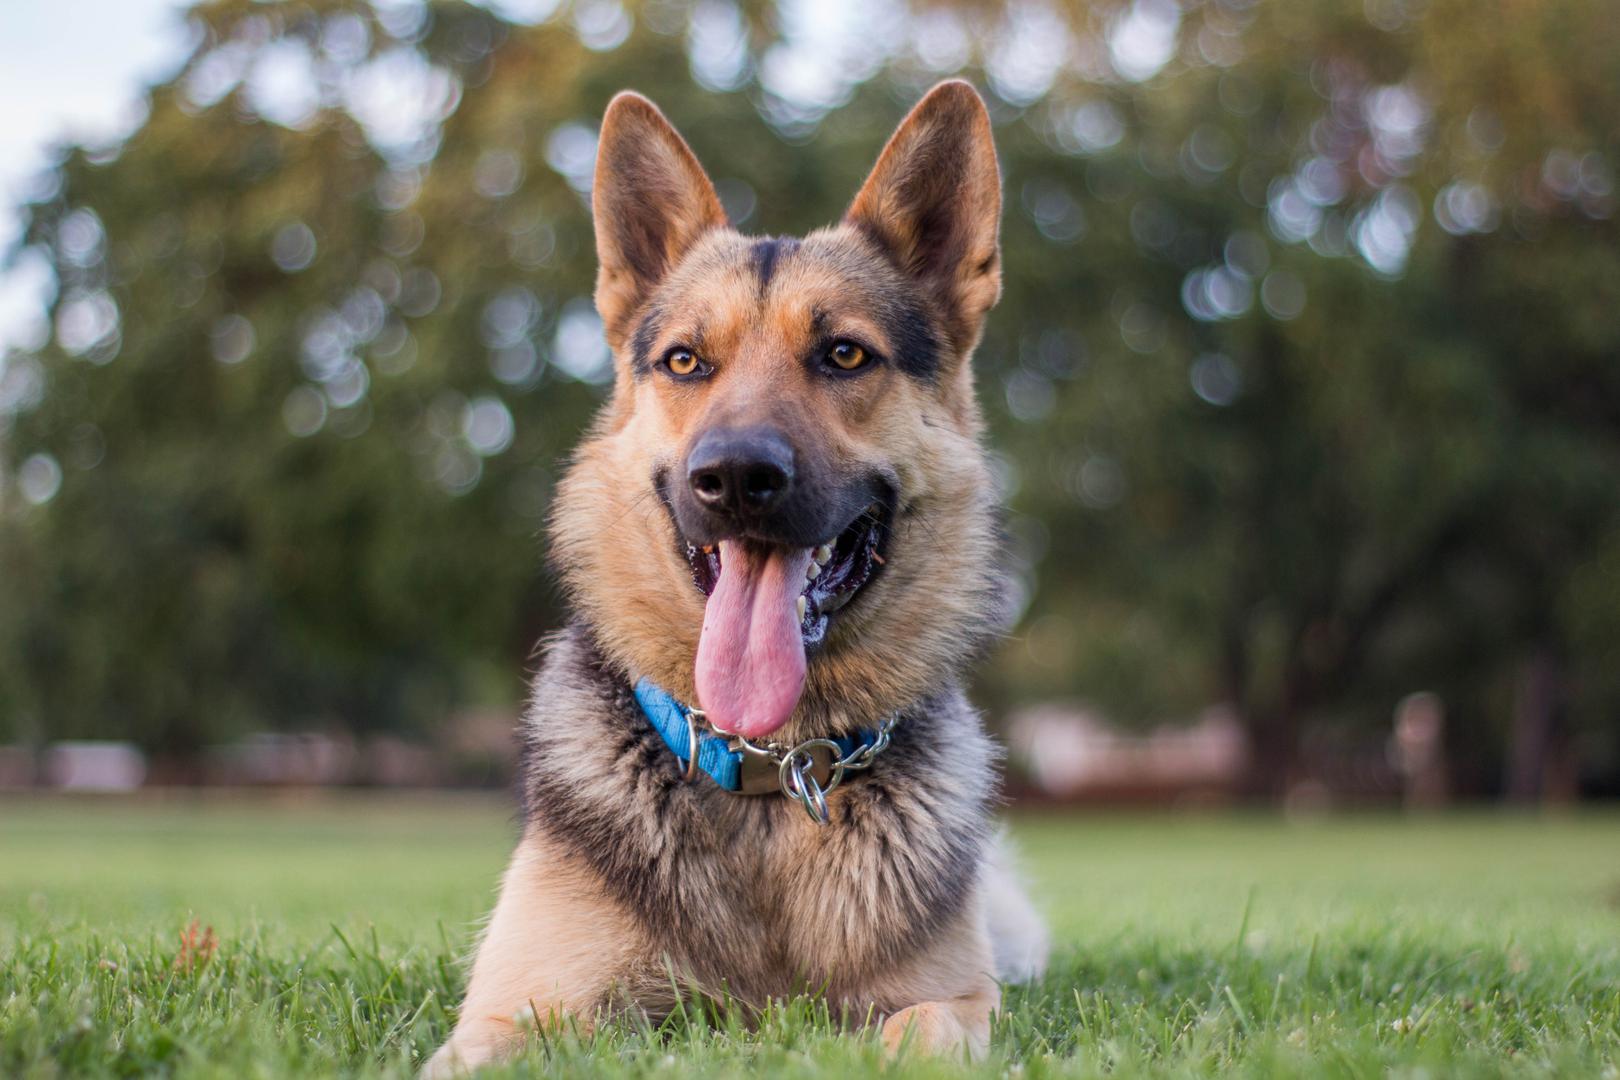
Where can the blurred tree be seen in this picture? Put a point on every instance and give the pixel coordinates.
(1303, 383)
(1347, 422)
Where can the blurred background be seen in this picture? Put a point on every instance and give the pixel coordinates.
(1304, 391)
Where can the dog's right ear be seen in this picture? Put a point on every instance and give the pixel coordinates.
(651, 200)
(933, 202)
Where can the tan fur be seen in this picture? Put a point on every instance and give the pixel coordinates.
(559, 951)
(955, 991)
(768, 902)
(554, 949)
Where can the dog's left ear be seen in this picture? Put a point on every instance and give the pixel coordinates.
(650, 201)
(933, 202)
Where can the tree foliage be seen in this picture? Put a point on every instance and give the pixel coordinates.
(1304, 383)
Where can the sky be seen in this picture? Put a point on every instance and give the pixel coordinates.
(68, 69)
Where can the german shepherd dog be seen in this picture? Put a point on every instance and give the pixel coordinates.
(782, 522)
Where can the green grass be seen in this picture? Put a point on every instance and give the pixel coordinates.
(1471, 945)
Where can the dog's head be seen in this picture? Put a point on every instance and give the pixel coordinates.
(784, 510)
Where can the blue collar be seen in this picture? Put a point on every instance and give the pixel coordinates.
(715, 756)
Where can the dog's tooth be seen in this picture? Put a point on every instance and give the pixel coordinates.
(877, 558)
(800, 606)
(708, 549)
(813, 571)
(823, 553)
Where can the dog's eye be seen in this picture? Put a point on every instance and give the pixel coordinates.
(847, 356)
(683, 363)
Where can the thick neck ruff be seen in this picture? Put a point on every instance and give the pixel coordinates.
(804, 773)
(728, 886)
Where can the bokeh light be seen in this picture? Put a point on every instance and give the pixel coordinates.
(1301, 390)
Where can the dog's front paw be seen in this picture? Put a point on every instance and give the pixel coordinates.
(934, 1028)
(451, 1061)
(442, 1065)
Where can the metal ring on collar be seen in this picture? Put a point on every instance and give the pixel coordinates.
(794, 763)
(692, 718)
(800, 786)
(797, 782)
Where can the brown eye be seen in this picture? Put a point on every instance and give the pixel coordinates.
(682, 362)
(847, 356)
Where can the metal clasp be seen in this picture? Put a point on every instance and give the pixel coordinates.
(806, 773)
(693, 717)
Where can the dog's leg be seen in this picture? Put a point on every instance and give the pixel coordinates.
(960, 1025)
(954, 989)
(553, 951)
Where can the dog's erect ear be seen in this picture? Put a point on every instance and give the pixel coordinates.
(933, 202)
(651, 200)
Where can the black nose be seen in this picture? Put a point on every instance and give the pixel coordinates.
(740, 471)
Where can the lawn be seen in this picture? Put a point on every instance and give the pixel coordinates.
(1470, 945)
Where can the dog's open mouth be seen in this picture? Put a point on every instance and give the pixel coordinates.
(768, 604)
(835, 572)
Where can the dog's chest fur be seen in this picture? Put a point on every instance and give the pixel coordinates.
(745, 893)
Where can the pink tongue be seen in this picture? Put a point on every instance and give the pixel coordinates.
(750, 660)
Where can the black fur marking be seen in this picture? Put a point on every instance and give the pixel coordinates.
(767, 250)
(916, 347)
(903, 312)
(642, 341)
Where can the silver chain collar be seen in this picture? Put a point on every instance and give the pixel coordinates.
(795, 767)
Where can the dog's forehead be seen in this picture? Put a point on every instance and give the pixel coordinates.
(733, 288)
